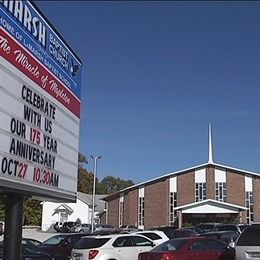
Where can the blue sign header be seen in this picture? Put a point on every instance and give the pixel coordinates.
(25, 23)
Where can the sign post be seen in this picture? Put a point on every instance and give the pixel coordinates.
(13, 227)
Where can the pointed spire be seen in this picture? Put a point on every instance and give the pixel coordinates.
(210, 146)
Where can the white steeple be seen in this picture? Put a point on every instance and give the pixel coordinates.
(210, 146)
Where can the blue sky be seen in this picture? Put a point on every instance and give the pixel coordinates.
(155, 74)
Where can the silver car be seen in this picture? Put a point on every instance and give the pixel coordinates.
(84, 228)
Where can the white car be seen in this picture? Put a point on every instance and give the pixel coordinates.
(115, 246)
(156, 236)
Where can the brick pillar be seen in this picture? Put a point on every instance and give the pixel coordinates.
(179, 212)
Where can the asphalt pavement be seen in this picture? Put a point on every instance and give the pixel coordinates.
(35, 234)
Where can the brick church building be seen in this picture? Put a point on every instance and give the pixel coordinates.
(209, 192)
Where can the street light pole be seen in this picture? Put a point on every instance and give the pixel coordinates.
(94, 190)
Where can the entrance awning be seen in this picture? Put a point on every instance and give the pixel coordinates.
(210, 206)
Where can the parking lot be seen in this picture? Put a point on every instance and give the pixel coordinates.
(35, 233)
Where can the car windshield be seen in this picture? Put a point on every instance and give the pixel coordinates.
(170, 245)
(90, 242)
(54, 240)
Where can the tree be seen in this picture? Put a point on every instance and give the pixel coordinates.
(82, 159)
(111, 184)
(32, 212)
(85, 181)
(85, 178)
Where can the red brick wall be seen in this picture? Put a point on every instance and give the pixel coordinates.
(156, 204)
(210, 183)
(256, 194)
(113, 212)
(131, 207)
(185, 188)
(157, 197)
(235, 188)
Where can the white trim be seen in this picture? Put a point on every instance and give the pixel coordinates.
(184, 171)
(141, 192)
(173, 184)
(200, 176)
(209, 204)
(220, 176)
(248, 183)
(122, 198)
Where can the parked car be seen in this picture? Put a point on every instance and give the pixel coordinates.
(128, 228)
(60, 244)
(243, 226)
(195, 248)
(228, 237)
(26, 242)
(2, 227)
(205, 227)
(114, 246)
(197, 230)
(104, 228)
(156, 236)
(248, 244)
(67, 226)
(168, 230)
(30, 251)
(84, 228)
(228, 227)
(182, 232)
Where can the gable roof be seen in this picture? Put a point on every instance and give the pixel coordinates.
(62, 208)
(87, 198)
(210, 206)
(172, 174)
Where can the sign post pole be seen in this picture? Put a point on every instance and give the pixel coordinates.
(13, 226)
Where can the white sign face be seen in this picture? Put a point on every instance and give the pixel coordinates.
(39, 106)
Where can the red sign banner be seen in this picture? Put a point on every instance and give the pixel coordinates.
(26, 63)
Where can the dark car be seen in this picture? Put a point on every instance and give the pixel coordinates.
(30, 251)
(229, 227)
(1, 228)
(66, 227)
(30, 241)
(196, 248)
(27, 242)
(168, 230)
(60, 244)
(205, 227)
(248, 243)
(180, 232)
(228, 237)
